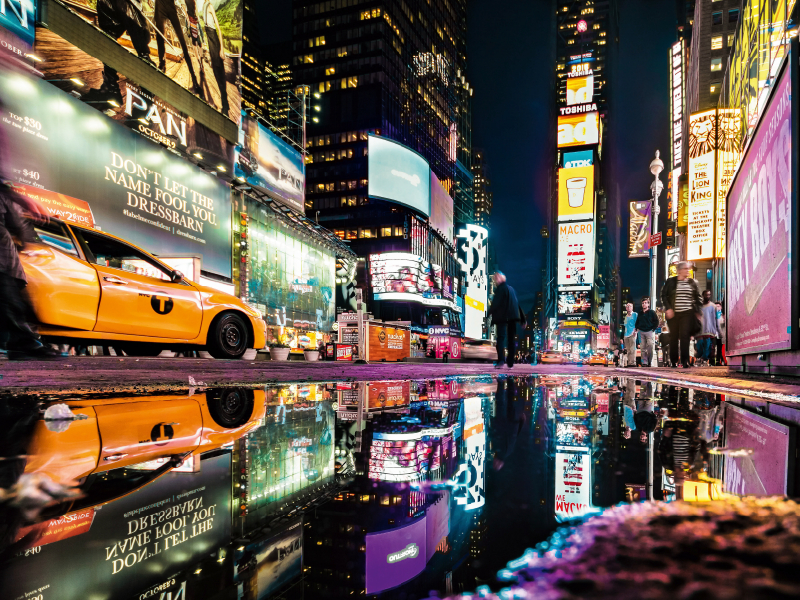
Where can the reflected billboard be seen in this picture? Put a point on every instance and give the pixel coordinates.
(395, 556)
(472, 253)
(576, 253)
(264, 567)
(639, 229)
(441, 209)
(135, 188)
(135, 542)
(578, 130)
(573, 489)
(760, 234)
(576, 194)
(765, 471)
(267, 162)
(398, 174)
(199, 46)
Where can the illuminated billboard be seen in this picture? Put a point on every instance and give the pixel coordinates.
(198, 48)
(471, 253)
(17, 25)
(403, 276)
(580, 90)
(575, 304)
(398, 174)
(761, 240)
(576, 254)
(267, 162)
(441, 209)
(135, 188)
(576, 194)
(676, 61)
(579, 158)
(639, 229)
(728, 155)
(578, 130)
(700, 235)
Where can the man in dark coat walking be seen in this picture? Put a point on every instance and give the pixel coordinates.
(505, 313)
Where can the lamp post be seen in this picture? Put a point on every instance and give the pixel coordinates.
(656, 166)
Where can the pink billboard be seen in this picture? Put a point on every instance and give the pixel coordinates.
(441, 209)
(764, 471)
(759, 291)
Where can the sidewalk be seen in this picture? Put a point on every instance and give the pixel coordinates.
(113, 374)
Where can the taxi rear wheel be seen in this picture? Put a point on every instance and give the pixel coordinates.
(231, 407)
(228, 337)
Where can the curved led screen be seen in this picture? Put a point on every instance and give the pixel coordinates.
(398, 174)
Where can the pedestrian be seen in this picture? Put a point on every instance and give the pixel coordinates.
(646, 324)
(663, 339)
(692, 352)
(20, 338)
(707, 338)
(616, 357)
(630, 335)
(505, 313)
(721, 358)
(681, 299)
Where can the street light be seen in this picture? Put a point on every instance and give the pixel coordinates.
(656, 166)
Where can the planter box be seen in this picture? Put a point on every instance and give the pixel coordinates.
(311, 355)
(279, 353)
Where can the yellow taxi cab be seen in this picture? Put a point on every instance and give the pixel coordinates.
(148, 435)
(552, 357)
(88, 286)
(597, 359)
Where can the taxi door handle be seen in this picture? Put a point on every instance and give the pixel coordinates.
(115, 457)
(116, 280)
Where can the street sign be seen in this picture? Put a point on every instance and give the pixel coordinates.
(655, 239)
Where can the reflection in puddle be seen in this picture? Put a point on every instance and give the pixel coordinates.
(329, 490)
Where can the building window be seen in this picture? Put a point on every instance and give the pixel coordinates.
(339, 233)
(368, 233)
(716, 18)
(713, 89)
(716, 42)
(352, 234)
(733, 15)
(386, 231)
(716, 64)
(731, 37)
(398, 231)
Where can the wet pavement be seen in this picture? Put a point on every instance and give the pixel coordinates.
(405, 488)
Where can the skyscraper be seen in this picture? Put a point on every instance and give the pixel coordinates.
(480, 186)
(395, 70)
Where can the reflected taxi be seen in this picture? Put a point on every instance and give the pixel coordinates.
(88, 287)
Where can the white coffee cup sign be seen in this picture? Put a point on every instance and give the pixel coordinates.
(576, 189)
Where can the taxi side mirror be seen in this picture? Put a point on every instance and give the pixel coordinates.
(177, 277)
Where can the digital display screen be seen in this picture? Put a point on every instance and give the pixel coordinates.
(578, 130)
(403, 276)
(576, 303)
(576, 194)
(267, 162)
(471, 253)
(441, 209)
(398, 174)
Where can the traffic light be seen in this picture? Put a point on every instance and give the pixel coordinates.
(669, 234)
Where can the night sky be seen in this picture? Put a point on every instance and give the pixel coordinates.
(511, 65)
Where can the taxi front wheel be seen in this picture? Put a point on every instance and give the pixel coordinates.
(228, 337)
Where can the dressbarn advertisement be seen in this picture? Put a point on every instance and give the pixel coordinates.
(759, 290)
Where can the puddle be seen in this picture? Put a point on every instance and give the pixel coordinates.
(403, 489)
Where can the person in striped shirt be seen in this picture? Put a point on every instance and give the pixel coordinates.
(681, 299)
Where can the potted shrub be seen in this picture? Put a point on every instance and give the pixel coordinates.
(311, 354)
(278, 351)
